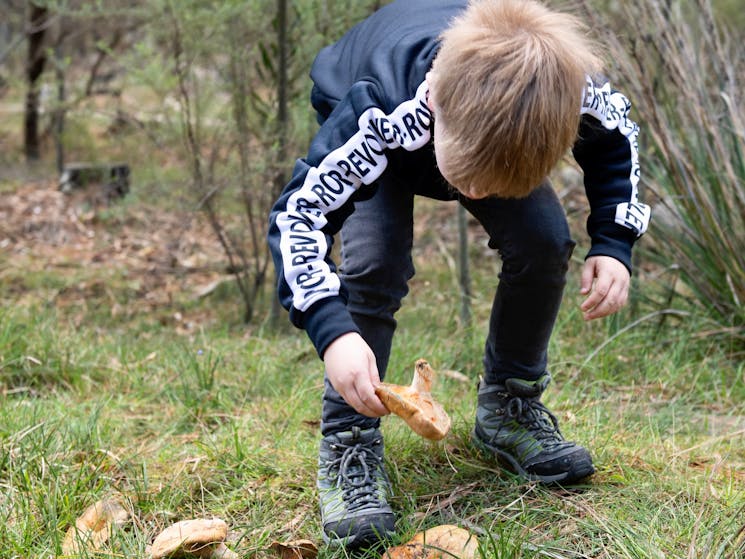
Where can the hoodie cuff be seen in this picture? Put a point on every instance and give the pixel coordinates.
(326, 320)
(614, 241)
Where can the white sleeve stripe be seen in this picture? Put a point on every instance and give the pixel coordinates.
(361, 160)
(611, 108)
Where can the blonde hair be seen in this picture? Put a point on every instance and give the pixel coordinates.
(507, 85)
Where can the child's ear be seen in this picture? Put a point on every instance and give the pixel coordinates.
(430, 95)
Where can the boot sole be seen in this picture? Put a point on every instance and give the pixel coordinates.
(366, 536)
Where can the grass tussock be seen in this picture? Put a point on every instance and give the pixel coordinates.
(685, 74)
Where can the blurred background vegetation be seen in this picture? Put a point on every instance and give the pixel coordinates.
(207, 102)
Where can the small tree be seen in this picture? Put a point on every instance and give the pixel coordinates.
(38, 23)
(77, 39)
(241, 124)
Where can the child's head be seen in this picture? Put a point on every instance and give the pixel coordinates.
(506, 91)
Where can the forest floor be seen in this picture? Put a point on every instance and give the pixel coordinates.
(162, 256)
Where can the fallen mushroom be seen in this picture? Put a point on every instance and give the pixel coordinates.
(415, 405)
(441, 542)
(94, 526)
(199, 537)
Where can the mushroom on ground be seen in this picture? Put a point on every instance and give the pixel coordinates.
(199, 537)
(94, 526)
(441, 542)
(415, 405)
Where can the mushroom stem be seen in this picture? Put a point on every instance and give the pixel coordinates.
(423, 373)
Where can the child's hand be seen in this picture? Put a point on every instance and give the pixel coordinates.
(607, 282)
(352, 371)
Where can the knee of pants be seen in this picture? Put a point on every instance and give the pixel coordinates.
(538, 255)
(377, 285)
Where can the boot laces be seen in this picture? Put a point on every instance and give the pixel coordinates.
(532, 414)
(356, 470)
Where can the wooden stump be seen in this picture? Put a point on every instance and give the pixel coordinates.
(95, 183)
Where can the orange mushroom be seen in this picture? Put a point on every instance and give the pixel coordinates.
(199, 537)
(415, 405)
(441, 542)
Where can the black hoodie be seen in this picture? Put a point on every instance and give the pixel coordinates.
(370, 96)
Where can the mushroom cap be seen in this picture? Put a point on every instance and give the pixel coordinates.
(94, 526)
(450, 540)
(415, 405)
(197, 536)
(441, 542)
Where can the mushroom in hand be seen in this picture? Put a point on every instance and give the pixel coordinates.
(415, 405)
(200, 537)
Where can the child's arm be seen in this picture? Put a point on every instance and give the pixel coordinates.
(608, 153)
(348, 152)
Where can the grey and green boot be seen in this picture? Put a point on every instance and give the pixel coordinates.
(515, 427)
(353, 489)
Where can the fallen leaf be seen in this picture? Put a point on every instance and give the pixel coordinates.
(94, 527)
(455, 375)
(296, 549)
(204, 290)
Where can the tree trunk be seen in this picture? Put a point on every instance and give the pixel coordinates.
(59, 111)
(34, 68)
(282, 122)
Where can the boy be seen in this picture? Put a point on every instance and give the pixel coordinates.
(474, 102)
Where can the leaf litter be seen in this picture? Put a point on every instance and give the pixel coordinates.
(155, 257)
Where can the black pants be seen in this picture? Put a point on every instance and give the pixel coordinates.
(531, 236)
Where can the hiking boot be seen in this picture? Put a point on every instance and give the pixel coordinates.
(515, 427)
(353, 488)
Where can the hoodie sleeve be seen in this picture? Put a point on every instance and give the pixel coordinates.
(348, 152)
(607, 151)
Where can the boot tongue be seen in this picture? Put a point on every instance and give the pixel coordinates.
(527, 388)
(355, 435)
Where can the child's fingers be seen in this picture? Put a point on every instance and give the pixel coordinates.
(361, 396)
(598, 293)
(614, 300)
(588, 274)
(372, 405)
(358, 403)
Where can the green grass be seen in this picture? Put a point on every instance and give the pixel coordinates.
(105, 393)
(223, 421)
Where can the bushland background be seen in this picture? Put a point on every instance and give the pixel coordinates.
(142, 357)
